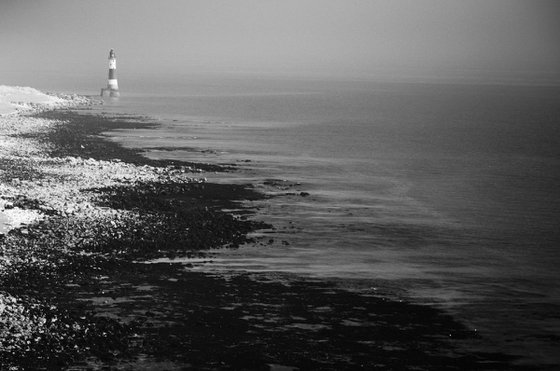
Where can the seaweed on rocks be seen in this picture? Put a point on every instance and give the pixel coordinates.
(55, 338)
(42, 325)
(174, 197)
(80, 135)
(174, 219)
(15, 170)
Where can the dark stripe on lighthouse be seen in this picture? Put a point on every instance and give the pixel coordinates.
(112, 74)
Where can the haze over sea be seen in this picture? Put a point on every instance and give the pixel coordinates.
(440, 193)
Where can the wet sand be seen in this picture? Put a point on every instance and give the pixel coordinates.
(79, 292)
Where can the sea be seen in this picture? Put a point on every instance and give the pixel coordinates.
(440, 193)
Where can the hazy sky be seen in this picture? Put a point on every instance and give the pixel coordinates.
(343, 37)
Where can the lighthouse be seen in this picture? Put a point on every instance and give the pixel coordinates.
(112, 88)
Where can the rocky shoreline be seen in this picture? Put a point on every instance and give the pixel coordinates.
(69, 211)
(79, 290)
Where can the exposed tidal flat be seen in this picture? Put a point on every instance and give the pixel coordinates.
(86, 281)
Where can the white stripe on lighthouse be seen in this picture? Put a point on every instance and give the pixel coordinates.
(112, 64)
(112, 84)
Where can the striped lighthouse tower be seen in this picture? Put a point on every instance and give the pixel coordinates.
(112, 88)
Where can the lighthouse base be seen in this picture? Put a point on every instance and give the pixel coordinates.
(109, 92)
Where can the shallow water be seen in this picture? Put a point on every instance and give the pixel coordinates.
(450, 191)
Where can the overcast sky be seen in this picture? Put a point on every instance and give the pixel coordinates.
(340, 37)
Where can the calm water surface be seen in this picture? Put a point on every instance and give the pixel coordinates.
(448, 194)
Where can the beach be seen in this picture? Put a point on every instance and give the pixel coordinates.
(91, 233)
